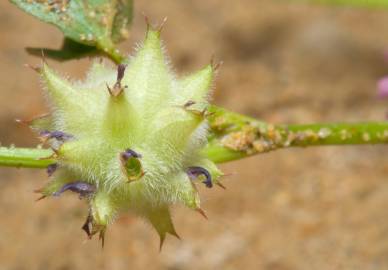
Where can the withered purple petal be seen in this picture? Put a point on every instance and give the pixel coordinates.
(130, 153)
(82, 188)
(195, 171)
(51, 168)
(58, 135)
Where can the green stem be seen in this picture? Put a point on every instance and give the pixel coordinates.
(355, 3)
(110, 50)
(235, 136)
(25, 157)
(116, 56)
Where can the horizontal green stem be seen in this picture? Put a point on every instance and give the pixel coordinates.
(355, 3)
(25, 157)
(341, 133)
(234, 136)
(237, 136)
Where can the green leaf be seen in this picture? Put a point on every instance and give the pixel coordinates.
(94, 23)
(70, 50)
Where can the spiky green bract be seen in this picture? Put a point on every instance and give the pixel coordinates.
(155, 115)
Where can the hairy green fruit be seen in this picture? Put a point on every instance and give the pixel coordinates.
(129, 139)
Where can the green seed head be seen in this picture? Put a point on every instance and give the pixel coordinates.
(129, 139)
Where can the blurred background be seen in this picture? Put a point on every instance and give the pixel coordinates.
(316, 208)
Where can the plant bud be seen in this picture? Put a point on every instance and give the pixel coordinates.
(130, 139)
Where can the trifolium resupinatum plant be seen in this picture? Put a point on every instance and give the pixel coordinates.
(129, 138)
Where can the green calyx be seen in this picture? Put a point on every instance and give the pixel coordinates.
(129, 139)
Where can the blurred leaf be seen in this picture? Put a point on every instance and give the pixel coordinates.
(94, 23)
(365, 3)
(70, 50)
(122, 20)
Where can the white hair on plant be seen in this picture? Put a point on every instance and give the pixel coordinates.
(129, 139)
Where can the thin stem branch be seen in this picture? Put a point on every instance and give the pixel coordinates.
(25, 157)
(237, 136)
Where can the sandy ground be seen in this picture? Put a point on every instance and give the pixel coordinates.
(321, 208)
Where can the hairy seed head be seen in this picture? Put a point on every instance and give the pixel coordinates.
(129, 139)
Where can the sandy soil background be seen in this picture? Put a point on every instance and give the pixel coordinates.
(321, 208)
